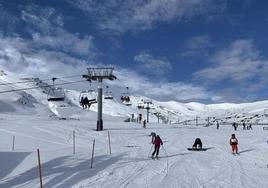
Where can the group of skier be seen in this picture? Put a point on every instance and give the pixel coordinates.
(157, 142)
(245, 127)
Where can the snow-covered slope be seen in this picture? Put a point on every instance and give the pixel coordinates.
(35, 123)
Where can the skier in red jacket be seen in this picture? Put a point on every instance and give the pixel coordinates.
(157, 142)
(234, 143)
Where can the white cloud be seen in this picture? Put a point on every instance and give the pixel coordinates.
(67, 42)
(151, 65)
(45, 25)
(20, 56)
(240, 63)
(135, 15)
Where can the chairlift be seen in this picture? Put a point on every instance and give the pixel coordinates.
(140, 104)
(125, 98)
(108, 94)
(87, 98)
(55, 93)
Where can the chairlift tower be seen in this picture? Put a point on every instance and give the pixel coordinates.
(148, 108)
(98, 74)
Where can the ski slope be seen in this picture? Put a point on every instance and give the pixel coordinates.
(38, 124)
(129, 164)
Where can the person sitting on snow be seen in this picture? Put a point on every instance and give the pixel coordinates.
(197, 144)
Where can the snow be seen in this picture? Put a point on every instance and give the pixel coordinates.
(48, 126)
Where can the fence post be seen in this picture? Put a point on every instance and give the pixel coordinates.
(73, 142)
(13, 143)
(109, 139)
(92, 153)
(39, 167)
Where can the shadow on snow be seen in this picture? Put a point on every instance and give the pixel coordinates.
(64, 171)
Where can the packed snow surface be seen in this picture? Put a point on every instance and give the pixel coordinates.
(129, 165)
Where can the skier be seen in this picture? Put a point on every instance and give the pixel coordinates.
(218, 125)
(157, 142)
(235, 126)
(140, 118)
(197, 144)
(244, 126)
(250, 127)
(144, 124)
(234, 143)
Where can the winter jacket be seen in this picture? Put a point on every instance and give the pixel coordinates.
(233, 141)
(157, 142)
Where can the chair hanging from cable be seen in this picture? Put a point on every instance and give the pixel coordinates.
(125, 98)
(87, 98)
(55, 93)
(108, 94)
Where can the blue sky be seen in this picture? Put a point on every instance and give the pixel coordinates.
(186, 50)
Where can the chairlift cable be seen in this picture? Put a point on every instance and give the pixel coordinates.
(29, 81)
(29, 88)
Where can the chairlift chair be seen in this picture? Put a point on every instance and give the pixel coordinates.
(90, 95)
(125, 98)
(108, 94)
(55, 93)
(140, 104)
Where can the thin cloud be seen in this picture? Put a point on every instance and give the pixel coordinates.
(134, 15)
(151, 65)
(197, 46)
(67, 42)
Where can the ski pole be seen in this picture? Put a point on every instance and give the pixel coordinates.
(167, 156)
(150, 151)
(165, 150)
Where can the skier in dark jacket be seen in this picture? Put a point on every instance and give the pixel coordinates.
(157, 142)
(197, 144)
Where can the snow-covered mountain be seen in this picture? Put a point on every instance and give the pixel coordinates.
(34, 101)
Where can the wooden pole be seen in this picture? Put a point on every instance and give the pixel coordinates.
(13, 143)
(109, 139)
(40, 171)
(92, 153)
(73, 142)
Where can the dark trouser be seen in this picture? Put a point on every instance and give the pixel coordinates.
(156, 150)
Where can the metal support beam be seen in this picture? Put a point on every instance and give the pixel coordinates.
(100, 121)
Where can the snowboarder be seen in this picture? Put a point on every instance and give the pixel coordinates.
(197, 144)
(234, 143)
(157, 142)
